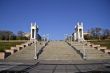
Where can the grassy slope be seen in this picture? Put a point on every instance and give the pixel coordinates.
(102, 43)
(7, 45)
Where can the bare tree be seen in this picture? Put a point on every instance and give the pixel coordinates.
(5, 34)
(98, 32)
(106, 33)
(92, 32)
(95, 32)
(20, 33)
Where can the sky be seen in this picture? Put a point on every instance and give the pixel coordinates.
(54, 17)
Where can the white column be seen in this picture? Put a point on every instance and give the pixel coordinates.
(31, 32)
(78, 34)
(35, 31)
(82, 31)
(35, 35)
(82, 35)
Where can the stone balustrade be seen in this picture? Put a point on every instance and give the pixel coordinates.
(88, 44)
(9, 51)
(12, 50)
(29, 43)
(107, 51)
(2, 55)
(95, 46)
(25, 44)
(102, 48)
(98, 47)
(19, 47)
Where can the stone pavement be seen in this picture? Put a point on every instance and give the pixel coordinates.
(56, 67)
(71, 68)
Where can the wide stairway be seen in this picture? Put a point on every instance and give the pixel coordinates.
(59, 50)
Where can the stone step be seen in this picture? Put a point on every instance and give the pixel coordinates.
(59, 50)
(26, 53)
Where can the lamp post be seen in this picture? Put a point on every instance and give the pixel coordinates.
(44, 39)
(35, 46)
(65, 37)
(84, 53)
(71, 39)
(47, 36)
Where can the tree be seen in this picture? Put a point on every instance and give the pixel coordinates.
(106, 33)
(95, 32)
(5, 34)
(20, 35)
(98, 32)
(87, 37)
(92, 33)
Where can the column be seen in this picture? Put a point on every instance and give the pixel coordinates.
(82, 31)
(78, 34)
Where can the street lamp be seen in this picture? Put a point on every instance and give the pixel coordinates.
(71, 38)
(84, 53)
(35, 55)
(65, 36)
(47, 36)
(44, 39)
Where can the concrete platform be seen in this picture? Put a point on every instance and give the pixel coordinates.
(57, 67)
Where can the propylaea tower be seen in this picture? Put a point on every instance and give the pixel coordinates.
(78, 34)
(34, 31)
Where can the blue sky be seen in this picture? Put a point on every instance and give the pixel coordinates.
(54, 17)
